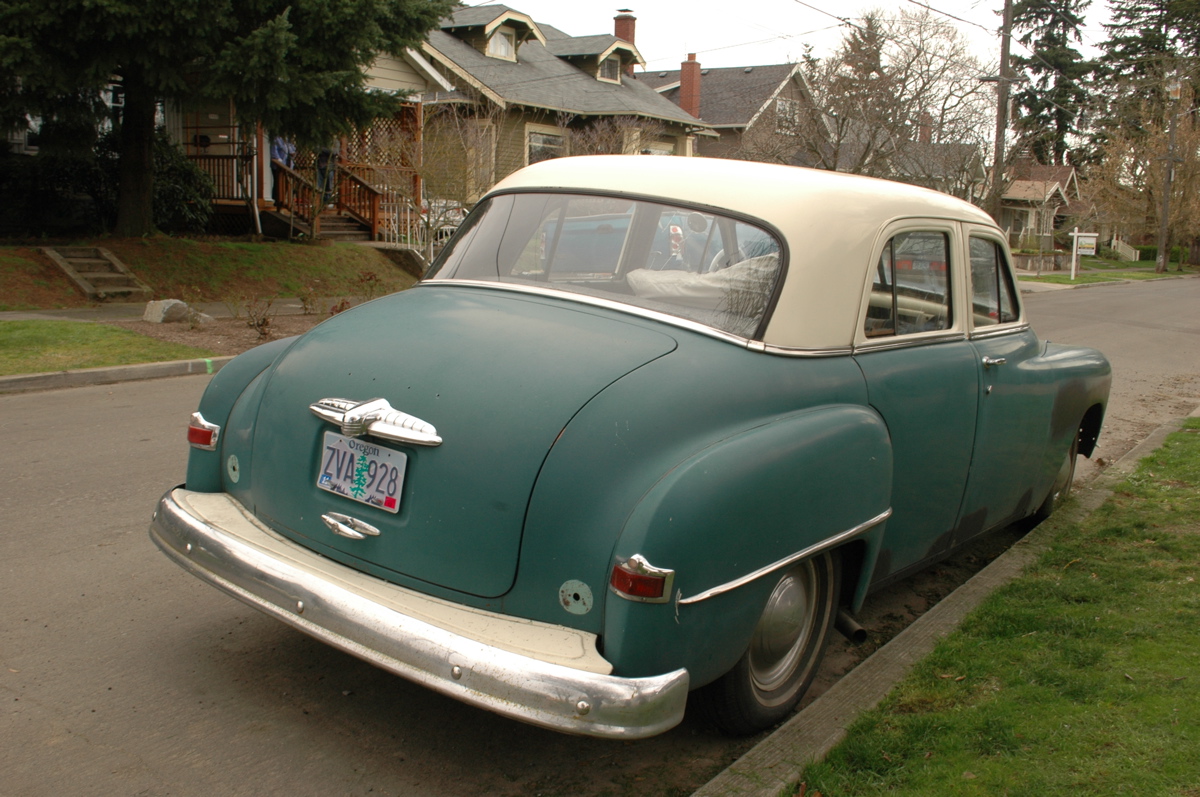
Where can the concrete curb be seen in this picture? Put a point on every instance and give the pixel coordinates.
(775, 763)
(105, 376)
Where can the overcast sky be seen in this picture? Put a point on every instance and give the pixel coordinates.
(753, 32)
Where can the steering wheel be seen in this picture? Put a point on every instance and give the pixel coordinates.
(720, 261)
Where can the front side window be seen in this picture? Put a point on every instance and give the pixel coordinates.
(700, 266)
(993, 299)
(911, 289)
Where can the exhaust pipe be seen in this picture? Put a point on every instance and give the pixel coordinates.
(849, 627)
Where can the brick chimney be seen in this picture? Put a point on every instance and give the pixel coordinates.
(624, 28)
(689, 85)
(925, 129)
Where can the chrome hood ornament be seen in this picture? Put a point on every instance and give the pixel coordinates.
(377, 418)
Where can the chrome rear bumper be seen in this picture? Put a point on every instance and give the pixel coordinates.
(558, 682)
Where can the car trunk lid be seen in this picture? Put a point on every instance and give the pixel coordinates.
(498, 375)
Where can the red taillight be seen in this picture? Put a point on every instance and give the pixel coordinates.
(203, 434)
(201, 437)
(636, 579)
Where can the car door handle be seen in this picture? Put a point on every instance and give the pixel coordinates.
(988, 362)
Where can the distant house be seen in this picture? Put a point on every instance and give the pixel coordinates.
(766, 113)
(1037, 200)
(753, 109)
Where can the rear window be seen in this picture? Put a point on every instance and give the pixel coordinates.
(701, 266)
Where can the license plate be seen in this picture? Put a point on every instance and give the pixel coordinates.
(362, 471)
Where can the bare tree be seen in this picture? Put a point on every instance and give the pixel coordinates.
(609, 135)
(888, 101)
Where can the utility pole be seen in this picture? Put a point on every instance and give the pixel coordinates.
(1003, 81)
(1164, 243)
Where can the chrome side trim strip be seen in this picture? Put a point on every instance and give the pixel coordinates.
(641, 312)
(825, 544)
(908, 342)
(994, 332)
(514, 667)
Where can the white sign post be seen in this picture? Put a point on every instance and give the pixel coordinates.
(1082, 243)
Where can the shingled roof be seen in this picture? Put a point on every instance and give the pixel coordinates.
(729, 96)
(542, 77)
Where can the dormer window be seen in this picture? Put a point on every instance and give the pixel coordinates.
(503, 44)
(610, 69)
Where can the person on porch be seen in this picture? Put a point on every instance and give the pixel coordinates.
(283, 153)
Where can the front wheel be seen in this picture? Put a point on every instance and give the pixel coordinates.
(1062, 483)
(785, 651)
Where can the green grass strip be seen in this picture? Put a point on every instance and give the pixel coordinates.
(1079, 678)
(32, 347)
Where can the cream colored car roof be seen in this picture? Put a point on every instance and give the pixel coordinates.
(831, 223)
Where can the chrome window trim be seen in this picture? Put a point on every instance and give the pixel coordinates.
(983, 333)
(596, 301)
(640, 312)
(789, 351)
(825, 544)
(908, 342)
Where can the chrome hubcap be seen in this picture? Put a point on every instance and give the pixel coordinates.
(783, 631)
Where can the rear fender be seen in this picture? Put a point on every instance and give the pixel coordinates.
(224, 390)
(744, 506)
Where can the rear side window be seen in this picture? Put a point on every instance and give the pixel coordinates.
(992, 296)
(911, 289)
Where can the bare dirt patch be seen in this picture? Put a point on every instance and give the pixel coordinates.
(224, 336)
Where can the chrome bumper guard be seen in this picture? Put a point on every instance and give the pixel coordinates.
(214, 538)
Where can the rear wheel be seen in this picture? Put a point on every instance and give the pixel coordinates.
(1062, 482)
(785, 651)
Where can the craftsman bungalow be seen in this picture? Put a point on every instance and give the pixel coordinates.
(490, 92)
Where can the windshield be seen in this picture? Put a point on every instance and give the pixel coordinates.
(701, 266)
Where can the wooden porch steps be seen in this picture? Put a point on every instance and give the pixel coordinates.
(338, 227)
(334, 226)
(98, 273)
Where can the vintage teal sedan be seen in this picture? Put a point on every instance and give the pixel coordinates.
(646, 431)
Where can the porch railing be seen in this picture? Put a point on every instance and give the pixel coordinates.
(231, 174)
(359, 199)
(1124, 250)
(298, 196)
(399, 220)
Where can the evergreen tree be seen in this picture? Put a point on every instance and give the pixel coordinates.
(296, 65)
(1050, 105)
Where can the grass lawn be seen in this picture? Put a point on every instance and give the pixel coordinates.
(208, 270)
(1079, 678)
(28, 347)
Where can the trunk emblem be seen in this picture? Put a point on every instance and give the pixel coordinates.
(377, 418)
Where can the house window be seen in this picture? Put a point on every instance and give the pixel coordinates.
(543, 142)
(610, 69)
(503, 44)
(787, 116)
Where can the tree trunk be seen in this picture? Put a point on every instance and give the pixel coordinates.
(135, 172)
